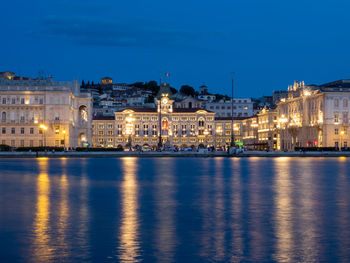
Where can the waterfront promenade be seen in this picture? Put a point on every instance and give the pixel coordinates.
(170, 154)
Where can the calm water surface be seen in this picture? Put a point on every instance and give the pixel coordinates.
(175, 210)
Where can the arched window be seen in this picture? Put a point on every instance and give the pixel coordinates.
(83, 114)
(3, 116)
(164, 124)
(201, 122)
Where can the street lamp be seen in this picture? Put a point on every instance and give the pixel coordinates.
(341, 137)
(64, 138)
(206, 132)
(43, 128)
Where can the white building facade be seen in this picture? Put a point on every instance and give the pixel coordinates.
(315, 116)
(41, 112)
(242, 107)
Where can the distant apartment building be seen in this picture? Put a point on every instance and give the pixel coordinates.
(242, 107)
(314, 116)
(41, 112)
(204, 95)
(189, 102)
(279, 95)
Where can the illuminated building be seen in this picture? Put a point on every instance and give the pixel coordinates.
(315, 116)
(267, 129)
(180, 127)
(103, 131)
(41, 112)
(223, 131)
(106, 81)
(250, 133)
(242, 107)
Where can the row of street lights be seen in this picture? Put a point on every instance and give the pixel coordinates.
(44, 128)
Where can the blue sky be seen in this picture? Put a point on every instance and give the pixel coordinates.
(268, 44)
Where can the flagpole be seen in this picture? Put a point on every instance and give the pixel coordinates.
(233, 130)
(160, 113)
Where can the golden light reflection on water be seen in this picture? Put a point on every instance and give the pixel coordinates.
(219, 228)
(42, 251)
(236, 208)
(256, 211)
(307, 212)
(205, 209)
(84, 213)
(343, 213)
(283, 210)
(165, 210)
(129, 249)
(63, 212)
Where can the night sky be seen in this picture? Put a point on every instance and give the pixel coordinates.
(268, 44)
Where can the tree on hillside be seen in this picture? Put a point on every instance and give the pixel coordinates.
(187, 90)
(173, 90)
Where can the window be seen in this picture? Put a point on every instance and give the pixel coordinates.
(22, 143)
(336, 131)
(100, 132)
(57, 116)
(22, 116)
(345, 103)
(13, 101)
(57, 130)
(22, 100)
(3, 130)
(110, 126)
(201, 122)
(3, 116)
(345, 144)
(13, 130)
(22, 130)
(109, 132)
(31, 131)
(345, 117)
(13, 144)
(336, 103)
(336, 117)
(184, 129)
(3, 100)
(31, 143)
(41, 101)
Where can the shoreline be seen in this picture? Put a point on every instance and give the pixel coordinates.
(167, 154)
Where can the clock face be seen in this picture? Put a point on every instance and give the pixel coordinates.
(164, 100)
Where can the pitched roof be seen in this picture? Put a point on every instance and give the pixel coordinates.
(139, 110)
(189, 110)
(230, 118)
(101, 117)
